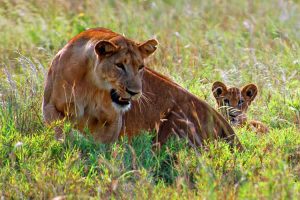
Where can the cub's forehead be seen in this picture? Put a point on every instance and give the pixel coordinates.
(234, 92)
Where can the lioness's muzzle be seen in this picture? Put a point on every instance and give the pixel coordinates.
(115, 97)
(132, 93)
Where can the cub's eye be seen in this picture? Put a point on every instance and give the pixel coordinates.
(141, 67)
(121, 66)
(241, 101)
(226, 102)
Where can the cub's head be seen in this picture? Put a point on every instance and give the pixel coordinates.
(119, 68)
(234, 102)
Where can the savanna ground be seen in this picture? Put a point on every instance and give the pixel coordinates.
(236, 42)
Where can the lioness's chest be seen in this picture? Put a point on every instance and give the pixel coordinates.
(98, 117)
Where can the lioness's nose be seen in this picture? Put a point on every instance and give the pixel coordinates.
(132, 93)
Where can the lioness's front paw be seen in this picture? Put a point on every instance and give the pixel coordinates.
(59, 135)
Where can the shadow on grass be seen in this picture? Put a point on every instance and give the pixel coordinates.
(123, 156)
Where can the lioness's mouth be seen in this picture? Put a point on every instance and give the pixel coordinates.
(117, 99)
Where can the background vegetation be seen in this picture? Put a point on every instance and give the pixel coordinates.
(200, 41)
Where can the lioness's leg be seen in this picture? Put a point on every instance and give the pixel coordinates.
(51, 114)
(176, 122)
(165, 130)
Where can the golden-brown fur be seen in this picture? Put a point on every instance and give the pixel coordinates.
(96, 69)
(168, 108)
(234, 102)
(85, 76)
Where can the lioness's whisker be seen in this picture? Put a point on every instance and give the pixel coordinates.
(142, 102)
(139, 103)
(147, 99)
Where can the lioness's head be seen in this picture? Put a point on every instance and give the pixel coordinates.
(120, 66)
(234, 102)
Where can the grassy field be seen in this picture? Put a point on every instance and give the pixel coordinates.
(200, 41)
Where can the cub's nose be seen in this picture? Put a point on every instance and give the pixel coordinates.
(132, 93)
(233, 115)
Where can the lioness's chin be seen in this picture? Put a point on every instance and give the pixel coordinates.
(121, 108)
(120, 104)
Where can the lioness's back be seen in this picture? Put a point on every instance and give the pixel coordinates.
(168, 108)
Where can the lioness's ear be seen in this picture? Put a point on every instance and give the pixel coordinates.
(249, 92)
(148, 47)
(218, 89)
(105, 47)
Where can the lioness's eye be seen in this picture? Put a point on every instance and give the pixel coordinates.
(141, 67)
(121, 66)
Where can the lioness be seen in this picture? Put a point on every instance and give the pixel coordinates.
(234, 102)
(92, 80)
(169, 108)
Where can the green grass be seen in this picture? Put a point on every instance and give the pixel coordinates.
(236, 42)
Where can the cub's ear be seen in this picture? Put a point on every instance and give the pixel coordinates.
(249, 92)
(104, 48)
(218, 89)
(148, 47)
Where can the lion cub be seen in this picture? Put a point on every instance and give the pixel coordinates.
(234, 102)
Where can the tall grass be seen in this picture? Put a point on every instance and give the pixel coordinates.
(200, 41)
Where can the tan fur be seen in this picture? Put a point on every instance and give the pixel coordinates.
(168, 108)
(234, 102)
(82, 75)
(80, 80)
